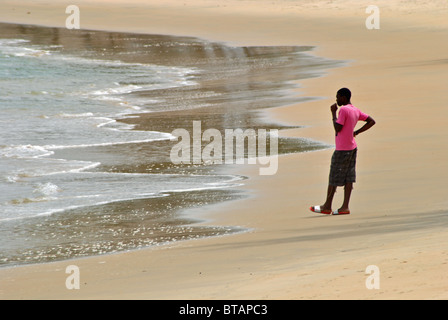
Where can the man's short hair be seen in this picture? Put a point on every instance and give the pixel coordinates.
(345, 93)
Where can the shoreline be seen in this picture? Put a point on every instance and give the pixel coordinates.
(292, 254)
(84, 219)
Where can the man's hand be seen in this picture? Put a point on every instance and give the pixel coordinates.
(369, 123)
(334, 107)
(337, 126)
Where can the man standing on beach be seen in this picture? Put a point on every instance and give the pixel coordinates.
(343, 161)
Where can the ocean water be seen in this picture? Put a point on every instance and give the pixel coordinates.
(85, 128)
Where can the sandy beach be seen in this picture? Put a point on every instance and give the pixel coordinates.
(397, 74)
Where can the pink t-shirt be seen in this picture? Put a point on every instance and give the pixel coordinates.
(348, 116)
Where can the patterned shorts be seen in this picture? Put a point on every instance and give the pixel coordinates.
(342, 168)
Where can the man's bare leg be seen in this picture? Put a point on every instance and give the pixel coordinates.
(330, 195)
(347, 193)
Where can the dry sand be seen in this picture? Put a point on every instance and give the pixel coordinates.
(398, 74)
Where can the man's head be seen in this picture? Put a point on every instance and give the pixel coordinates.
(343, 96)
